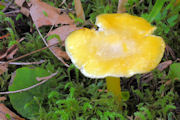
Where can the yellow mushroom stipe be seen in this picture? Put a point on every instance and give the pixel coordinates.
(113, 85)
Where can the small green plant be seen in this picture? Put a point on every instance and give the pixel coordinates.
(174, 72)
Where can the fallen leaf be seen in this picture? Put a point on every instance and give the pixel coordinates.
(149, 76)
(19, 2)
(121, 6)
(164, 65)
(63, 32)
(24, 11)
(3, 55)
(170, 52)
(3, 68)
(60, 53)
(44, 14)
(10, 55)
(10, 52)
(79, 10)
(4, 110)
(2, 98)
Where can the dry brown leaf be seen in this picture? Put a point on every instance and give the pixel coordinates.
(60, 53)
(121, 6)
(63, 32)
(164, 65)
(10, 52)
(19, 2)
(11, 55)
(169, 52)
(44, 14)
(4, 110)
(3, 68)
(24, 11)
(149, 76)
(3, 55)
(79, 10)
(2, 98)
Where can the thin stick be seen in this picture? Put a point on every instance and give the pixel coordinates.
(26, 89)
(9, 4)
(121, 7)
(49, 30)
(23, 63)
(28, 54)
(12, 12)
(50, 48)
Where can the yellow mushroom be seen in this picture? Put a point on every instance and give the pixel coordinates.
(121, 47)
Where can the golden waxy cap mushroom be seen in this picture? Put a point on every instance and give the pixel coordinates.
(121, 47)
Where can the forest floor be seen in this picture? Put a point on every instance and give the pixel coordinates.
(39, 82)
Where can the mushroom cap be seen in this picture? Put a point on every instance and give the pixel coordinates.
(121, 47)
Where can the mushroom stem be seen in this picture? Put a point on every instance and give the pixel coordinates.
(114, 86)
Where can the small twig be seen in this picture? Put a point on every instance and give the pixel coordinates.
(50, 48)
(29, 54)
(24, 63)
(4, 36)
(26, 89)
(7, 6)
(46, 78)
(121, 6)
(12, 12)
(49, 30)
(62, 3)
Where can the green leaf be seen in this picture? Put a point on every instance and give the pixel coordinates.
(54, 36)
(26, 77)
(87, 106)
(8, 19)
(19, 16)
(2, 7)
(45, 13)
(174, 72)
(140, 115)
(125, 95)
(167, 108)
(11, 33)
(11, 43)
(156, 9)
(172, 19)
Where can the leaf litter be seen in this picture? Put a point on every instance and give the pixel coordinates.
(44, 15)
(4, 111)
